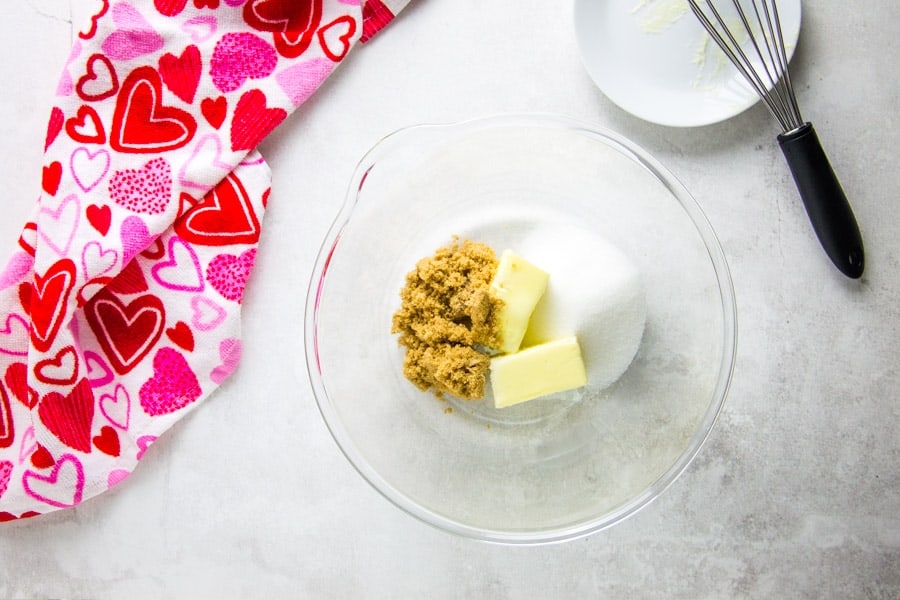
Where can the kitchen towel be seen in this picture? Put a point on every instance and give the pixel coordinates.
(120, 309)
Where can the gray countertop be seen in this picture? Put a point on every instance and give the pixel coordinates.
(796, 494)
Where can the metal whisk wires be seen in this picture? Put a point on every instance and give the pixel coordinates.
(764, 64)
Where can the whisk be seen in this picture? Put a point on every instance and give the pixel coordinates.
(762, 60)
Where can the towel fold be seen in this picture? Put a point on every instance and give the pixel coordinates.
(120, 311)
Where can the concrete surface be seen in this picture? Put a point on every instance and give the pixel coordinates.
(795, 495)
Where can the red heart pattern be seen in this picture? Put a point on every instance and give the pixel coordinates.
(41, 458)
(336, 37)
(7, 427)
(280, 16)
(16, 379)
(100, 81)
(52, 177)
(253, 120)
(130, 280)
(86, 127)
(155, 250)
(108, 441)
(28, 233)
(99, 217)
(93, 316)
(8, 516)
(169, 8)
(95, 18)
(49, 295)
(142, 124)
(54, 126)
(225, 216)
(293, 23)
(69, 417)
(185, 202)
(214, 110)
(125, 332)
(181, 336)
(181, 74)
(25, 300)
(61, 369)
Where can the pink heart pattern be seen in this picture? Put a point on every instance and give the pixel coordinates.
(115, 477)
(116, 407)
(28, 446)
(181, 271)
(18, 267)
(172, 387)
(228, 274)
(97, 261)
(6, 468)
(134, 236)
(145, 190)
(207, 315)
(205, 162)
(64, 220)
(157, 102)
(230, 354)
(98, 372)
(200, 28)
(62, 488)
(89, 168)
(300, 81)
(143, 443)
(239, 57)
(134, 37)
(12, 335)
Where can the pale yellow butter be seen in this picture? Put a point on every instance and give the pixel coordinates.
(519, 284)
(537, 371)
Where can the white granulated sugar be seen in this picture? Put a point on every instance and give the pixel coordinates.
(595, 292)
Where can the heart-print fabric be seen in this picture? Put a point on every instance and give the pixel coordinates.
(120, 310)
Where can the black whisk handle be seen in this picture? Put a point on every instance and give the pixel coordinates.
(824, 198)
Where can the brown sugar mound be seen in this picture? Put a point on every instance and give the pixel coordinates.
(447, 312)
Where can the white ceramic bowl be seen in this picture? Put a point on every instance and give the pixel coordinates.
(653, 59)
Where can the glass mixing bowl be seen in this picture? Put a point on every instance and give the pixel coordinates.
(543, 471)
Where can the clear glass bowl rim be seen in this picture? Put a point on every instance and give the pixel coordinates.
(544, 535)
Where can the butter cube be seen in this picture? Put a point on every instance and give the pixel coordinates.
(519, 284)
(537, 371)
